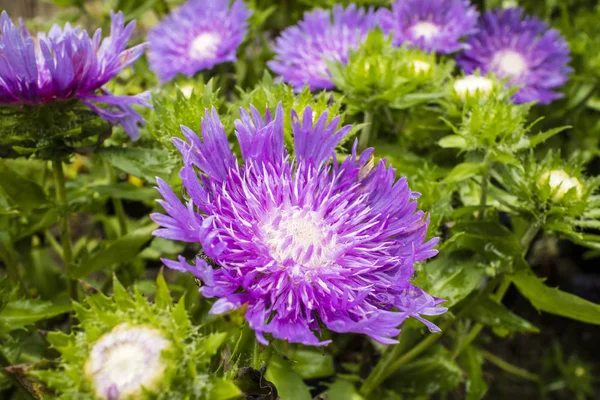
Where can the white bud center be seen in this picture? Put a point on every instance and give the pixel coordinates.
(124, 360)
(472, 85)
(560, 183)
(424, 29)
(421, 67)
(299, 236)
(509, 63)
(205, 45)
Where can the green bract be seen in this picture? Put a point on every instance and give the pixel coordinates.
(179, 371)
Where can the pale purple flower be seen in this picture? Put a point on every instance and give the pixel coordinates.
(431, 25)
(302, 51)
(521, 49)
(304, 242)
(65, 64)
(197, 36)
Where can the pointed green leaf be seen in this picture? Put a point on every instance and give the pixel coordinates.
(495, 315)
(453, 142)
(20, 313)
(163, 295)
(555, 301)
(463, 171)
(311, 364)
(223, 390)
(342, 390)
(472, 362)
(288, 383)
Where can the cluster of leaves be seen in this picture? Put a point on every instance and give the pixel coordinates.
(478, 163)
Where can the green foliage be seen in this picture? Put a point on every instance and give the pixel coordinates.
(187, 359)
(379, 75)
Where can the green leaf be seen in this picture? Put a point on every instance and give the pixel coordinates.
(127, 191)
(342, 390)
(224, 390)
(163, 295)
(463, 171)
(453, 142)
(543, 136)
(310, 364)
(142, 163)
(288, 383)
(555, 301)
(450, 278)
(22, 193)
(472, 362)
(428, 375)
(118, 251)
(20, 313)
(495, 315)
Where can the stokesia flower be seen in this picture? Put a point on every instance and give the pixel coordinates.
(472, 86)
(303, 242)
(560, 183)
(68, 64)
(126, 361)
(431, 25)
(197, 36)
(302, 51)
(522, 50)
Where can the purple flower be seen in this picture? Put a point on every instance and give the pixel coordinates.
(68, 64)
(302, 51)
(521, 49)
(431, 25)
(197, 36)
(304, 242)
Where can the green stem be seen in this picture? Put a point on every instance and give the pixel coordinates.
(485, 184)
(394, 360)
(363, 139)
(526, 240)
(117, 203)
(511, 369)
(65, 234)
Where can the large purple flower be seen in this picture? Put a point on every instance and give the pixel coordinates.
(521, 49)
(67, 63)
(431, 25)
(304, 242)
(197, 36)
(302, 51)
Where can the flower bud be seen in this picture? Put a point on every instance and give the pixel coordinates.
(560, 184)
(125, 360)
(473, 86)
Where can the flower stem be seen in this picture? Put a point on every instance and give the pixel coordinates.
(363, 139)
(510, 368)
(117, 203)
(65, 234)
(485, 184)
(394, 360)
(526, 240)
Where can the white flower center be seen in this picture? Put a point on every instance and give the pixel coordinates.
(205, 45)
(509, 63)
(421, 67)
(124, 360)
(473, 85)
(560, 183)
(425, 30)
(299, 236)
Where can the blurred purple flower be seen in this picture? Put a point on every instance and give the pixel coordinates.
(197, 36)
(67, 63)
(522, 49)
(303, 242)
(431, 25)
(302, 50)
